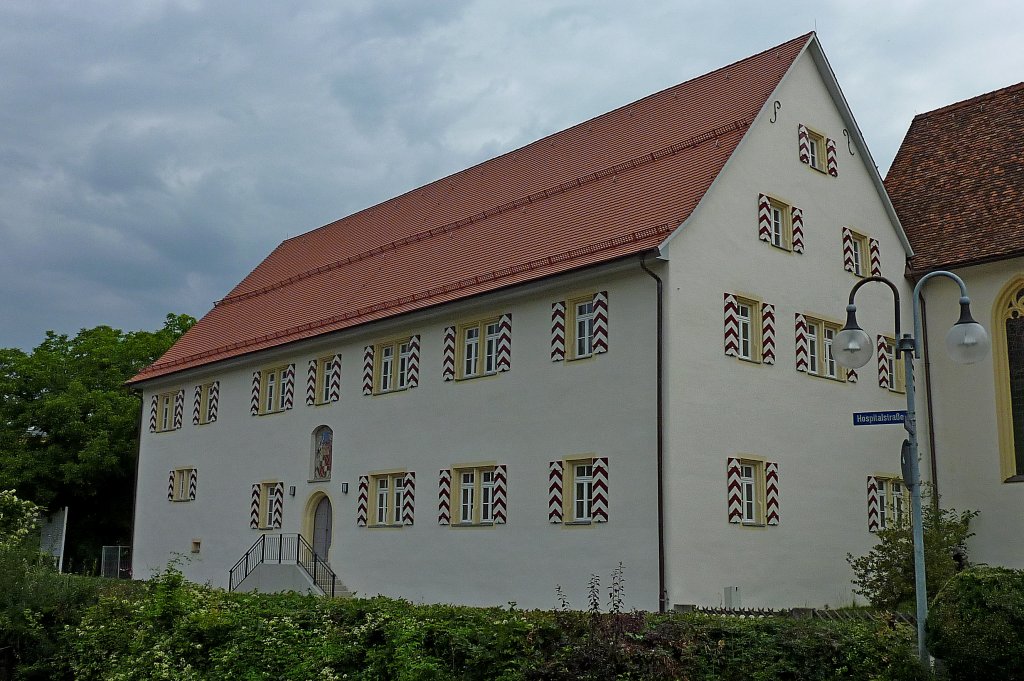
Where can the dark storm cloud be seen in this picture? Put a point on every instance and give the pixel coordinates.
(152, 153)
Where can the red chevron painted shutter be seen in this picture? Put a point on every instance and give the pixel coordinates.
(848, 263)
(830, 154)
(448, 354)
(197, 402)
(884, 376)
(170, 486)
(179, 408)
(764, 218)
(444, 497)
(771, 483)
(214, 403)
(876, 258)
(505, 342)
(797, 217)
(362, 500)
(409, 498)
(767, 333)
(193, 480)
(599, 490)
(851, 375)
(254, 507)
(558, 331)
(152, 413)
(368, 370)
(311, 382)
(600, 322)
(500, 502)
(732, 326)
(288, 381)
(734, 498)
(277, 498)
(334, 376)
(555, 492)
(254, 402)
(802, 350)
(804, 143)
(873, 510)
(414, 361)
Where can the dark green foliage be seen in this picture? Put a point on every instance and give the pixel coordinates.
(885, 576)
(35, 605)
(68, 426)
(976, 625)
(177, 630)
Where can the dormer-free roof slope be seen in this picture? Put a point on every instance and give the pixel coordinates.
(613, 186)
(958, 181)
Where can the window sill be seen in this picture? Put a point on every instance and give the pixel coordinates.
(578, 523)
(459, 379)
(385, 527)
(180, 501)
(1015, 478)
(485, 524)
(393, 391)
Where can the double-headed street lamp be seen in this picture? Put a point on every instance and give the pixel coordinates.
(967, 342)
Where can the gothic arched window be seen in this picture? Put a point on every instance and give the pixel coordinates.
(1008, 346)
(322, 456)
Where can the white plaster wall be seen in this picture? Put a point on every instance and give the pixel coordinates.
(965, 417)
(538, 412)
(720, 406)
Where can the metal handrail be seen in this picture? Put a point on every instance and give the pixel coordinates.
(292, 549)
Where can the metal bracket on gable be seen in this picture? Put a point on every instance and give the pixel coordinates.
(846, 134)
(778, 105)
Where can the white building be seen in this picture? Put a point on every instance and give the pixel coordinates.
(958, 183)
(486, 351)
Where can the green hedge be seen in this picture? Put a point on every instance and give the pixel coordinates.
(178, 630)
(976, 624)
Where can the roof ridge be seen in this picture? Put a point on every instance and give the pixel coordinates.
(514, 204)
(537, 263)
(450, 177)
(973, 100)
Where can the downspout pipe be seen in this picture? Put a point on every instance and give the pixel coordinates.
(660, 354)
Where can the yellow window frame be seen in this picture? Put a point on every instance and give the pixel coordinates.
(898, 379)
(322, 386)
(787, 223)
(569, 488)
(816, 150)
(390, 519)
(477, 469)
(460, 351)
(278, 373)
(181, 479)
(756, 328)
(824, 324)
(165, 411)
(395, 345)
(760, 490)
(1009, 304)
(570, 327)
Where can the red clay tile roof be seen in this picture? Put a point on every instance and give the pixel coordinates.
(613, 186)
(958, 181)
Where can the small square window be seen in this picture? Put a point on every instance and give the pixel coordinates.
(820, 359)
(893, 502)
(816, 150)
(388, 498)
(182, 486)
(478, 348)
(392, 365)
(273, 389)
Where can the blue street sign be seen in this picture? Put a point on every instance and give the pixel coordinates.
(879, 418)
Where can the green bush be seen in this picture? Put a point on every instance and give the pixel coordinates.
(885, 576)
(36, 604)
(976, 624)
(178, 630)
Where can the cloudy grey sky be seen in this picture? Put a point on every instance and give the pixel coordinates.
(152, 152)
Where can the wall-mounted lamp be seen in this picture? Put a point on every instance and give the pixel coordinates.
(291, 491)
(344, 488)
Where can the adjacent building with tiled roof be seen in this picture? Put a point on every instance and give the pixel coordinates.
(611, 345)
(958, 186)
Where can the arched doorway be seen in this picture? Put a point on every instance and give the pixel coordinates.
(322, 528)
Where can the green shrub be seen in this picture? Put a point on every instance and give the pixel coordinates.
(976, 624)
(178, 630)
(36, 604)
(885, 576)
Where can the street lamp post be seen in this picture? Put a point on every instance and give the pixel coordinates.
(967, 342)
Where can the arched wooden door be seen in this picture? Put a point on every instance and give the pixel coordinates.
(322, 522)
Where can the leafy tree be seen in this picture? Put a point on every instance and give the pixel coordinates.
(68, 427)
(18, 518)
(885, 576)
